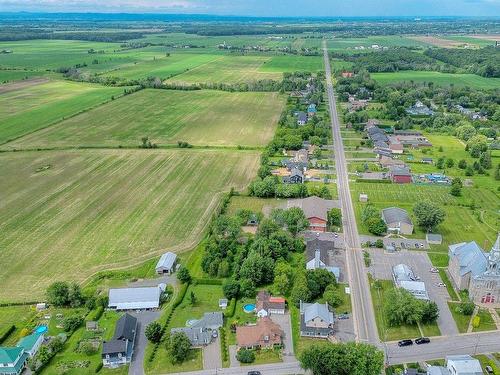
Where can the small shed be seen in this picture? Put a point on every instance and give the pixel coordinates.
(363, 197)
(41, 306)
(434, 239)
(223, 303)
(91, 326)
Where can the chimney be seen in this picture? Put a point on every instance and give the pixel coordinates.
(317, 260)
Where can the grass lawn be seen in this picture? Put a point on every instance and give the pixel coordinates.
(386, 332)
(438, 259)
(232, 69)
(16, 75)
(430, 329)
(255, 204)
(444, 79)
(291, 63)
(37, 106)
(14, 315)
(202, 117)
(449, 286)
(461, 320)
(162, 364)
(486, 323)
(485, 361)
(80, 363)
(107, 209)
(265, 356)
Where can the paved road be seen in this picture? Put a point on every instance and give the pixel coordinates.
(289, 368)
(471, 343)
(364, 319)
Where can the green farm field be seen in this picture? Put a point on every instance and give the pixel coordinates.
(10, 75)
(293, 64)
(201, 117)
(231, 69)
(348, 44)
(66, 215)
(444, 79)
(37, 105)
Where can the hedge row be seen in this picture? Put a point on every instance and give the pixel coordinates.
(175, 304)
(202, 281)
(374, 181)
(7, 333)
(6, 304)
(231, 309)
(224, 347)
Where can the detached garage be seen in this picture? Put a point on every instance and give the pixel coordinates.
(134, 298)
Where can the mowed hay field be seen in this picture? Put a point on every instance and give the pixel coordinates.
(443, 79)
(201, 117)
(35, 105)
(229, 69)
(102, 209)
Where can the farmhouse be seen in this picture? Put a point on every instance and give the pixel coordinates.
(264, 334)
(404, 278)
(400, 175)
(316, 211)
(135, 298)
(166, 264)
(347, 74)
(31, 343)
(13, 360)
(267, 304)
(397, 220)
(118, 351)
(203, 331)
(296, 177)
(471, 268)
(420, 109)
(316, 320)
(301, 118)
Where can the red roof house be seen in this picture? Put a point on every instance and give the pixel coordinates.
(265, 334)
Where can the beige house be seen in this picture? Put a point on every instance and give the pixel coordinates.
(316, 320)
(397, 220)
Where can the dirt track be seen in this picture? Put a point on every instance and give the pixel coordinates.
(14, 86)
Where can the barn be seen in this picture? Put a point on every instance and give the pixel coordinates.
(145, 298)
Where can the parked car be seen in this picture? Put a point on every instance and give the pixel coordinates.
(441, 284)
(434, 270)
(343, 316)
(489, 370)
(422, 340)
(405, 343)
(335, 235)
(254, 373)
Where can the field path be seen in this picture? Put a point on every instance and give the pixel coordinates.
(19, 85)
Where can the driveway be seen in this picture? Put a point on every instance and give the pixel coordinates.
(212, 355)
(286, 326)
(398, 242)
(420, 264)
(143, 319)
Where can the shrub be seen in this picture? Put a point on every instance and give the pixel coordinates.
(476, 321)
(245, 356)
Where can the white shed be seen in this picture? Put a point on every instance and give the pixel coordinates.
(166, 264)
(134, 298)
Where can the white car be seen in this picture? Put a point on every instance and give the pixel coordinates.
(441, 284)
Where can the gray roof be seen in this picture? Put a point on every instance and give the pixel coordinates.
(402, 272)
(314, 310)
(471, 258)
(131, 298)
(313, 206)
(302, 117)
(399, 171)
(321, 245)
(433, 237)
(167, 260)
(126, 327)
(114, 347)
(395, 215)
(210, 320)
(296, 172)
(437, 370)
(196, 336)
(465, 364)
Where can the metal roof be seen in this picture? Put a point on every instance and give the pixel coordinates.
(315, 310)
(395, 215)
(313, 206)
(471, 258)
(167, 260)
(464, 364)
(402, 273)
(210, 320)
(134, 298)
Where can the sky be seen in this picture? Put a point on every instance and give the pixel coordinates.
(273, 8)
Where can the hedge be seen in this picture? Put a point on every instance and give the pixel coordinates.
(7, 333)
(224, 347)
(231, 309)
(99, 367)
(96, 315)
(202, 281)
(374, 181)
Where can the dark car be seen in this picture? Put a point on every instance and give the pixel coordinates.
(254, 373)
(405, 343)
(422, 340)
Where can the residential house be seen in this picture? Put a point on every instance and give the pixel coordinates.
(301, 118)
(317, 256)
(400, 175)
(479, 272)
(119, 350)
(296, 177)
(316, 320)
(31, 343)
(12, 360)
(463, 365)
(145, 298)
(166, 264)
(316, 211)
(363, 197)
(397, 220)
(404, 278)
(437, 370)
(355, 104)
(264, 334)
(420, 109)
(347, 74)
(203, 331)
(266, 304)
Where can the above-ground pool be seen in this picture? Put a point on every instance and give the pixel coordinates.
(249, 307)
(41, 329)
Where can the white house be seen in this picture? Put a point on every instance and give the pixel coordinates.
(135, 298)
(463, 365)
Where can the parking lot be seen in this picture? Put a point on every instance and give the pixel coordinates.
(381, 268)
(399, 243)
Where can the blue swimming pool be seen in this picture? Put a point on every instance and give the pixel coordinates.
(249, 307)
(41, 329)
